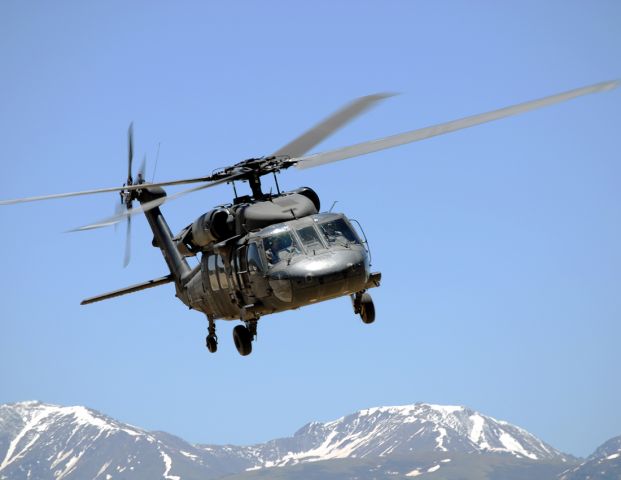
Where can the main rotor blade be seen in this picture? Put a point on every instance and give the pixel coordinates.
(145, 207)
(328, 126)
(104, 190)
(442, 128)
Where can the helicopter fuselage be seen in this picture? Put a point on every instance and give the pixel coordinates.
(281, 267)
(258, 257)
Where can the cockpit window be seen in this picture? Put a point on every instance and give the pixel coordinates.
(338, 232)
(280, 247)
(310, 238)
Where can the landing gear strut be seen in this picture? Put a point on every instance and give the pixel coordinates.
(211, 341)
(363, 306)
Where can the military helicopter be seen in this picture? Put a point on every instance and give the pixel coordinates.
(268, 253)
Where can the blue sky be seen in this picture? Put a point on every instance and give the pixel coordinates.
(499, 245)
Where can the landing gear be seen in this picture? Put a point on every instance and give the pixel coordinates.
(363, 306)
(211, 341)
(243, 335)
(243, 339)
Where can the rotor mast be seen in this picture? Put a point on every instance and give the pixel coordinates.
(254, 180)
(253, 169)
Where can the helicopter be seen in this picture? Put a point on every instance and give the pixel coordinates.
(266, 253)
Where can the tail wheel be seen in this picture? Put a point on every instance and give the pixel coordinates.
(367, 309)
(212, 343)
(243, 340)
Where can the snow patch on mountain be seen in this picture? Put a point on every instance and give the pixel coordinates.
(168, 466)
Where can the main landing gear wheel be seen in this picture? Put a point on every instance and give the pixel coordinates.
(367, 309)
(363, 306)
(243, 340)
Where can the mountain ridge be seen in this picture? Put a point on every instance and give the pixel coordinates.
(459, 427)
(39, 440)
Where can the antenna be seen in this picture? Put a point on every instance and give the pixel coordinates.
(334, 203)
(276, 180)
(157, 157)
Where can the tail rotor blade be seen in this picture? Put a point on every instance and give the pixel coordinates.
(130, 152)
(118, 210)
(142, 171)
(128, 240)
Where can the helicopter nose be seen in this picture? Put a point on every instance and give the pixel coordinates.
(330, 275)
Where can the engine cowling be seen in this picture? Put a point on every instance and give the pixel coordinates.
(211, 227)
(279, 209)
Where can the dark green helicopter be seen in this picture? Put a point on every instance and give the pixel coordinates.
(267, 253)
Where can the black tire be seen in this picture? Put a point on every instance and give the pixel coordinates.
(243, 340)
(212, 344)
(367, 309)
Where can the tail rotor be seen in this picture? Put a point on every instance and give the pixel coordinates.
(128, 196)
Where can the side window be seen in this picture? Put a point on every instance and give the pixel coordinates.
(241, 263)
(224, 283)
(211, 267)
(235, 267)
(254, 258)
(242, 259)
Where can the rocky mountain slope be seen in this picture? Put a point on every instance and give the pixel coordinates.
(604, 464)
(41, 441)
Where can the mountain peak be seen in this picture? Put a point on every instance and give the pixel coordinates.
(37, 414)
(403, 429)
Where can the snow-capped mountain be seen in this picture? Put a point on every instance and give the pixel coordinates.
(385, 431)
(603, 464)
(41, 441)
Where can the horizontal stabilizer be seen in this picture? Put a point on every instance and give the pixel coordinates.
(134, 288)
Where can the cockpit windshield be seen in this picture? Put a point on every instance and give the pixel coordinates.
(310, 238)
(280, 246)
(338, 232)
